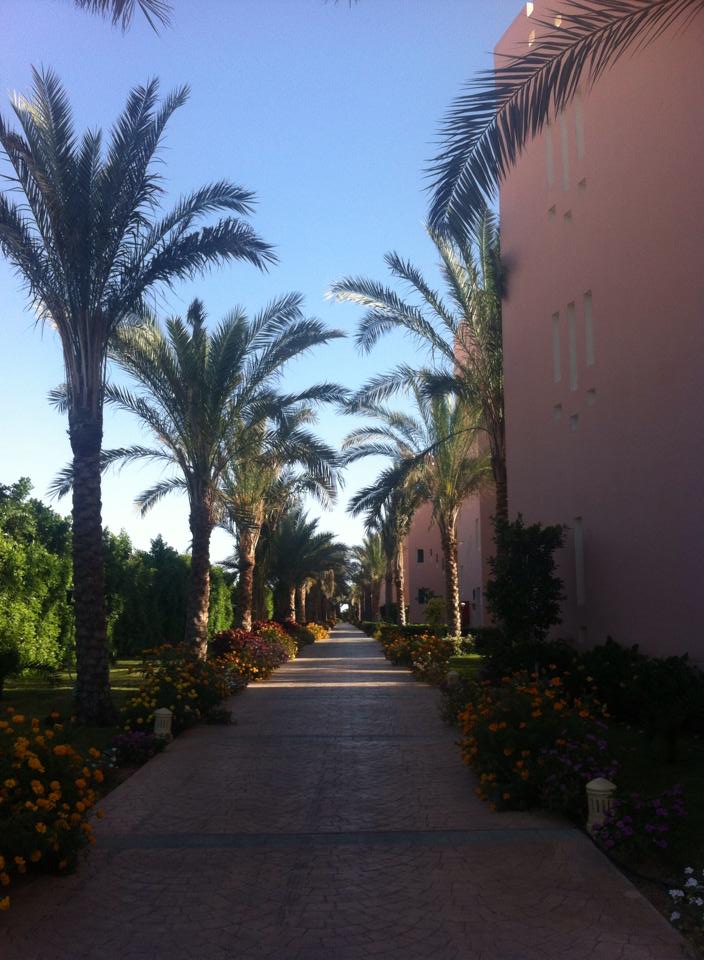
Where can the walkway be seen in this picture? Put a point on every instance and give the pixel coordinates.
(334, 822)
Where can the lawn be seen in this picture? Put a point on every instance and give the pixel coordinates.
(35, 694)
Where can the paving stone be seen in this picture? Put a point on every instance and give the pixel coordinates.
(335, 821)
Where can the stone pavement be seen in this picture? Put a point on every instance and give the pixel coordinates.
(334, 822)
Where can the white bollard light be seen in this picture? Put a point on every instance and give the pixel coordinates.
(599, 798)
(162, 723)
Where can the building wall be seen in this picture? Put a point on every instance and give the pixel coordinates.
(604, 338)
(428, 573)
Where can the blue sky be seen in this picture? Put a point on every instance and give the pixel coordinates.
(327, 112)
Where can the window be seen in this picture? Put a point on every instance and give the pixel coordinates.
(565, 152)
(556, 365)
(579, 125)
(549, 157)
(420, 558)
(588, 329)
(578, 527)
(572, 344)
(574, 422)
(557, 411)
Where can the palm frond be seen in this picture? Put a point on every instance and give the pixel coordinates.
(121, 12)
(149, 498)
(488, 125)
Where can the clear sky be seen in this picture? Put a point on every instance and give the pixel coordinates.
(327, 111)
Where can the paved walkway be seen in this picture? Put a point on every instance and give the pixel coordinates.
(334, 822)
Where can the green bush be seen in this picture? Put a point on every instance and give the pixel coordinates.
(524, 593)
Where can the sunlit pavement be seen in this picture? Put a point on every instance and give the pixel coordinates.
(335, 821)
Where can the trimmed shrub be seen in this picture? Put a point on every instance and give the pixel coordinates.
(135, 747)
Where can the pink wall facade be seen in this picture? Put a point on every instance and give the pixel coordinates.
(603, 237)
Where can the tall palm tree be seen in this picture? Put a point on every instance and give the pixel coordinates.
(254, 483)
(436, 450)
(461, 332)
(200, 394)
(488, 126)
(90, 247)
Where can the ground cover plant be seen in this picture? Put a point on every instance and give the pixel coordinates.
(249, 656)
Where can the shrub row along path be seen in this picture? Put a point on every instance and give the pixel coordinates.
(335, 821)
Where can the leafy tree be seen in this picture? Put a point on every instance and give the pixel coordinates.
(488, 126)
(88, 243)
(35, 579)
(461, 332)
(524, 593)
(200, 394)
(370, 564)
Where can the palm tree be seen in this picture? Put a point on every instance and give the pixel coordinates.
(462, 333)
(260, 477)
(371, 563)
(299, 552)
(90, 247)
(437, 451)
(200, 394)
(488, 126)
(391, 519)
(121, 12)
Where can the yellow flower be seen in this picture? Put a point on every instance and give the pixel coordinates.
(98, 775)
(40, 827)
(35, 856)
(5, 903)
(4, 879)
(81, 784)
(18, 718)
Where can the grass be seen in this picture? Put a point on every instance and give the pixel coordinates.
(37, 695)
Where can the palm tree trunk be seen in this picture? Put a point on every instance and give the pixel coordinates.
(376, 599)
(199, 586)
(400, 590)
(245, 584)
(301, 604)
(93, 701)
(291, 605)
(452, 580)
(388, 591)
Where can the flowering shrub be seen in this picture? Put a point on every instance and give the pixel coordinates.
(248, 655)
(425, 653)
(274, 632)
(189, 688)
(319, 630)
(637, 824)
(688, 901)
(136, 747)
(509, 733)
(46, 792)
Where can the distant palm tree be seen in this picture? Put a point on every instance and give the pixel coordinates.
(254, 482)
(88, 243)
(461, 332)
(200, 394)
(488, 126)
(370, 562)
(392, 520)
(299, 552)
(436, 451)
(121, 12)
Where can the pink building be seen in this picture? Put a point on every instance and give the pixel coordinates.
(602, 232)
